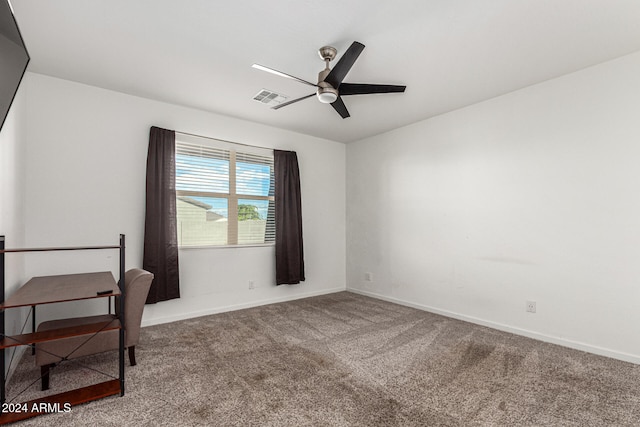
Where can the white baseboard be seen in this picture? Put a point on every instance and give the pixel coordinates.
(626, 357)
(223, 309)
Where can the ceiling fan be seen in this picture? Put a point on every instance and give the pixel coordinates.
(330, 87)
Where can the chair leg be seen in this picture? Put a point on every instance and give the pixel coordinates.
(132, 355)
(44, 375)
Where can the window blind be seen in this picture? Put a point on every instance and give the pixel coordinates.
(225, 194)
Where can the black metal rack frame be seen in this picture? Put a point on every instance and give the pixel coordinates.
(80, 395)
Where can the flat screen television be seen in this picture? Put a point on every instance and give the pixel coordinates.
(13, 59)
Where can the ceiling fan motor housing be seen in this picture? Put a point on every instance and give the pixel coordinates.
(326, 93)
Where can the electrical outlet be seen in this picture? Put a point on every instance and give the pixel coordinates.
(368, 277)
(531, 306)
(252, 284)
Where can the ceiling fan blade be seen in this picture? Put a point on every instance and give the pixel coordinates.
(364, 89)
(337, 74)
(339, 106)
(281, 74)
(284, 104)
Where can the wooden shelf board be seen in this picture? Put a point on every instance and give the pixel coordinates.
(36, 337)
(61, 288)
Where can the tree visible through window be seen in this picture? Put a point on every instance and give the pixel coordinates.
(225, 194)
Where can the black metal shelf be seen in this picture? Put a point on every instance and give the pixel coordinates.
(79, 395)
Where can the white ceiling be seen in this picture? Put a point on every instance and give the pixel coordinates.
(198, 53)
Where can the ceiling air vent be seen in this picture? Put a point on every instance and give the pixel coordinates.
(270, 98)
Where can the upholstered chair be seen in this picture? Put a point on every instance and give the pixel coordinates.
(49, 353)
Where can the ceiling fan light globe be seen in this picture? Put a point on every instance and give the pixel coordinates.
(327, 95)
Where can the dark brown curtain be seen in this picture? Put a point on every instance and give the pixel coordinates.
(289, 252)
(160, 227)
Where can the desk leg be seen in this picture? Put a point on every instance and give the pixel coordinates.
(121, 315)
(33, 327)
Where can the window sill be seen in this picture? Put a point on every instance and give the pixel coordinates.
(255, 245)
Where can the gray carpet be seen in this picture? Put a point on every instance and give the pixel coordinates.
(348, 360)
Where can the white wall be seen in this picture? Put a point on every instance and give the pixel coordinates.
(86, 159)
(12, 162)
(12, 148)
(534, 195)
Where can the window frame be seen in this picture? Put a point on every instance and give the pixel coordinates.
(232, 197)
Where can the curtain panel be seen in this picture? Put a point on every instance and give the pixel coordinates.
(289, 247)
(160, 228)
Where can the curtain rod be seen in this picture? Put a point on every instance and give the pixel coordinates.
(222, 140)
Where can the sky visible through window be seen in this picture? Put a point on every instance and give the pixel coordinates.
(206, 174)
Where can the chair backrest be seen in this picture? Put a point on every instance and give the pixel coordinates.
(136, 284)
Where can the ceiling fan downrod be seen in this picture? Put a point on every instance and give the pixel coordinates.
(326, 93)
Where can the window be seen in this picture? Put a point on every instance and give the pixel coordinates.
(225, 193)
